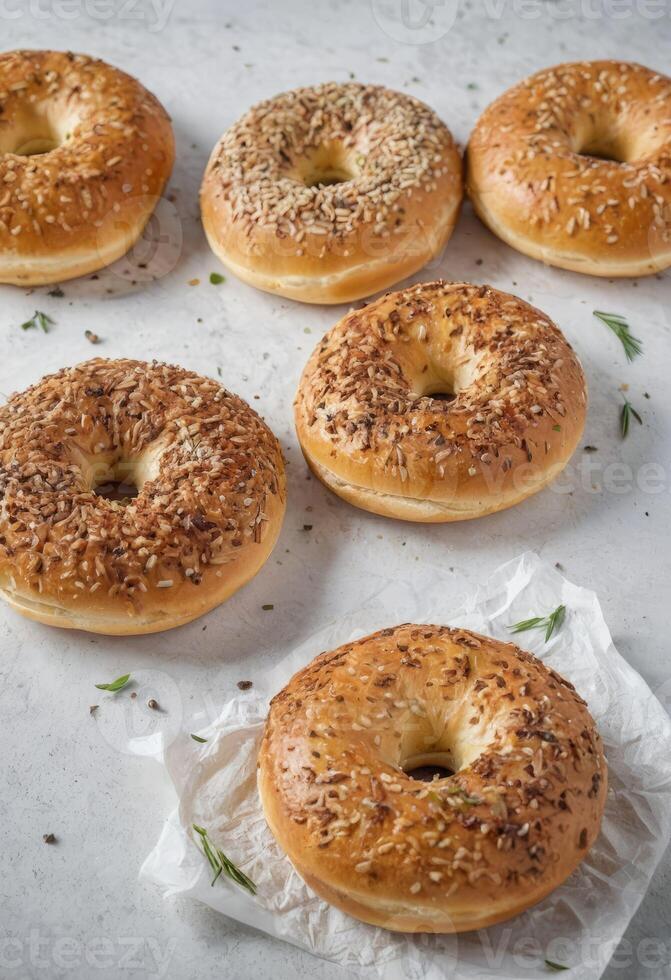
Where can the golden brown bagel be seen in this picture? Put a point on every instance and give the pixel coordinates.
(210, 501)
(330, 193)
(519, 813)
(372, 432)
(573, 166)
(85, 152)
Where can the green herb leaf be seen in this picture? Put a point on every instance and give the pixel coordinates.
(632, 346)
(550, 624)
(221, 864)
(527, 624)
(116, 685)
(556, 966)
(197, 738)
(626, 413)
(556, 428)
(555, 619)
(38, 319)
(216, 278)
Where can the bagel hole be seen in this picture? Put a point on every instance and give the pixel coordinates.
(34, 134)
(429, 766)
(328, 164)
(441, 393)
(427, 774)
(601, 143)
(116, 481)
(121, 491)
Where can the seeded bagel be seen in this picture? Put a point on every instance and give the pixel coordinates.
(441, 402)
(573, 166)
(330, 193)
(85, 152)
(520, 810)
(209, 479)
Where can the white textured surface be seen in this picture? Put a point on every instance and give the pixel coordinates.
(76, 909)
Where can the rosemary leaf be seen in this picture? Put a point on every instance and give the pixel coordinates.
(550, 624)
(555, 619)
(38, 319)
(116, 685)
(527, 624)
(556, 966)
(197, 738)
(221, 864)
(632, 345)
(626, 413)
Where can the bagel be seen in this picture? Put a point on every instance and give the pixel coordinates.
(441, 402)
(210, 497)
(330, 193)
(573, 167)
(520, 810)
(85, 152)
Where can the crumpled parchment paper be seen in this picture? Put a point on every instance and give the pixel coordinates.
(578, 925)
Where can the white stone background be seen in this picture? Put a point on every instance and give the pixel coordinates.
(76, 909)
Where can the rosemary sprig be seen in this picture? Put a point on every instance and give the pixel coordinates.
(38, 319)
(198, 738)
(551, 965)
(116, 685)
(632, 345)
(549, 623)
(220, 864)
(626, 413)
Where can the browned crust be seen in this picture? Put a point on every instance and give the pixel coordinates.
(369, 432)
(205, 520)
(520, 813)
(334, 243)
(530, 184)
(83, 204)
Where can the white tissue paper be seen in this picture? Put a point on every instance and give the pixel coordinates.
(578, 925)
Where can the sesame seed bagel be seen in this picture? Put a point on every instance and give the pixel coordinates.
(85, 152)
(330, 193)
(210, 497)
(441, 402)
(573, 166)
(519, 812)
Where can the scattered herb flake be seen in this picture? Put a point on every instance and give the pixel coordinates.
(550, 624)
(216, 278)
(632, 346)
(116, 685)
(220, 864)
(626, 413)
(38, 319)
(56, 292)
(49, 838)
(267, 606)
(551, 965)
(197, 738)
(556, 428)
